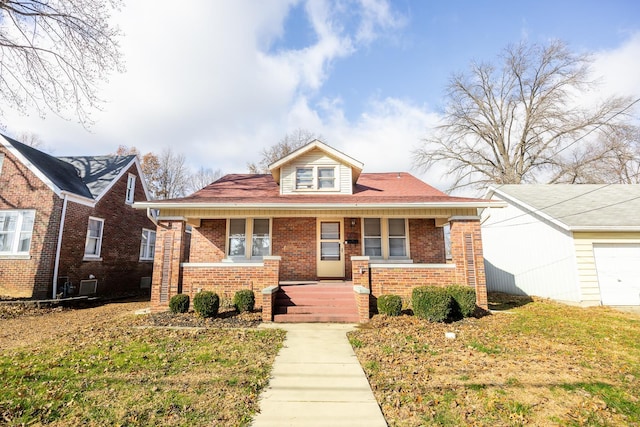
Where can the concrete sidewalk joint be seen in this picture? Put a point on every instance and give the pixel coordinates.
(317, 381)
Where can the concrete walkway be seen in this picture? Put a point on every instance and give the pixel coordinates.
(317, 381)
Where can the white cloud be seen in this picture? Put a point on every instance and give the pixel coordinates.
(618, 68)
(207, 81)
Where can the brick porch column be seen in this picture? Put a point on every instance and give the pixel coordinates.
(466, 252)
(272, 285)
(169, 253)
(360, 271)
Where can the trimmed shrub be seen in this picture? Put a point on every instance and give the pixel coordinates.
(431, 302)
(179, 303)
(464, 300)
(244, 300)
(391, 305)
(206, 303)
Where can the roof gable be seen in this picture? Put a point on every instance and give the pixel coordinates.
(99, 173)
(578, 206)
(89, 177)
(340, 157)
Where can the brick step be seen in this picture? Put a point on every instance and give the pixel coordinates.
(314, 300)
(315, 290)
(316, 309)
(315, 318)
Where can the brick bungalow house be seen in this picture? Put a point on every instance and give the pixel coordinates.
(316, 223)
(70, 220)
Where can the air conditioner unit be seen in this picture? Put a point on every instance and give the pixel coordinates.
(88, 287)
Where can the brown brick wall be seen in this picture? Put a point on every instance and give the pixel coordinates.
(466, 252)
(226, 281)
(21, 189)
(208, 241)
(401, 280)
(427, 242)
(120, 269)
(294, 239)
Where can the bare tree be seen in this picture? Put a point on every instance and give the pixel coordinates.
(615, 158)
(172, 176)
(518, 123)
(31, 139)
(201, 178)
(291, 142)
(54, 53)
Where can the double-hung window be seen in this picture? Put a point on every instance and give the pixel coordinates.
(397, 238)
(385, 238)
(372, 238)
(304, 178)
(16, 228)
(326, 178)
(93, 242)
(316, 178)
(249, 238)
(147, 245)
(131, 188)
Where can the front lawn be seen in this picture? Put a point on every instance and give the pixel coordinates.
(115, 374)
(541, 363)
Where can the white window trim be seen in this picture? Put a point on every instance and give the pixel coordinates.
(315, 178)
(248, 239)
(1, 162)
(384, 232)
(94, 257)
(16, 241)
(149, 232)
(131, 189)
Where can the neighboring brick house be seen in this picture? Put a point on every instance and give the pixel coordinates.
(70, 220)
(315, 217)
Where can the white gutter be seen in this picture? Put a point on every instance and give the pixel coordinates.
(56, 264)
(321, 206)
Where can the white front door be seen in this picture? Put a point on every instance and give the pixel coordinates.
(330, 248)
(618, 267)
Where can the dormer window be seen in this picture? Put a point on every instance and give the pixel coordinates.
(326, 178)
(304, 178)
(316, 178)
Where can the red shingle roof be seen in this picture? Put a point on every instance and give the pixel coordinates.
(371, 188)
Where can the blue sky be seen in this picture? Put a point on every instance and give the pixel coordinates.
(219, 81)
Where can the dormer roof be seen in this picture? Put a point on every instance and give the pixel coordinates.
(355, 165)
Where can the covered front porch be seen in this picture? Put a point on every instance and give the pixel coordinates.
(390, 254)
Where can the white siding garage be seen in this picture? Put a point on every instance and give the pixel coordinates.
(571, 243)
(618, 268)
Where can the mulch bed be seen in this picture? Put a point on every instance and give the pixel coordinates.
(226, 318)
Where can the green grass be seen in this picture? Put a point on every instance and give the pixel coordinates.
(139, 377)
(541, 364)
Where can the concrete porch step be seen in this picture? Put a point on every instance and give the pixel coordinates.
(315, 318)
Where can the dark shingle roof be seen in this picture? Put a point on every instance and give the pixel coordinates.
(86, 176)
(97, 172)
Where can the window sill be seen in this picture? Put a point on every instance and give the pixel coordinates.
(14, 256)
(149, 260)
(86, 258)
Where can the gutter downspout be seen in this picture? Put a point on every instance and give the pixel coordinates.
(56, 264)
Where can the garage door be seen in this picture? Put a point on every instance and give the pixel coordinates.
(618, 267)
